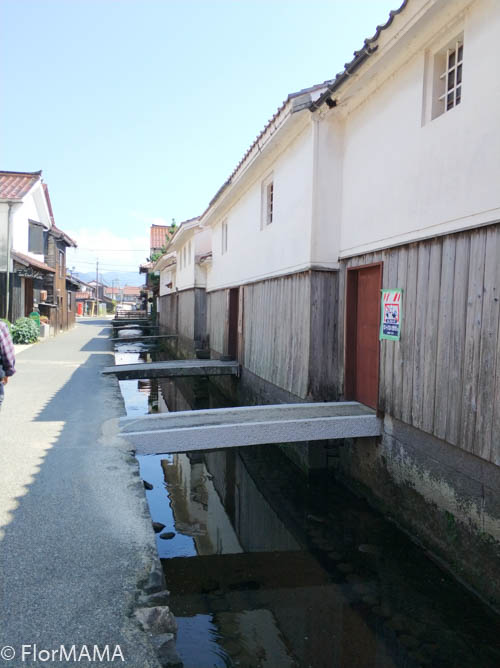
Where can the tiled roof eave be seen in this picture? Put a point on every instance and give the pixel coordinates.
(26, 260)
(369, 48)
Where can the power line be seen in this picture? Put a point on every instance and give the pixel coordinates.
(116, 250)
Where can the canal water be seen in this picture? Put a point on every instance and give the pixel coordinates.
(270, 569)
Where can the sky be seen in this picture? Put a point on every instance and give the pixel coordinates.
(137, 111)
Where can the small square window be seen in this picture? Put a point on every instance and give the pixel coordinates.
(267, 205)
(447, 78)
(35, 238)
(224, 237)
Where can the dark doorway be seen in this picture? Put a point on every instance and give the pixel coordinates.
(28, 296)
(232, 346)
(362, 347)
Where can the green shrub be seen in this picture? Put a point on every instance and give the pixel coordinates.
(9, 326)
(24, 330)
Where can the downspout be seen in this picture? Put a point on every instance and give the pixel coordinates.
(7, 273)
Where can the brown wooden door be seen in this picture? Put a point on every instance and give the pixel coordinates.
(28, 296)
(362, 334)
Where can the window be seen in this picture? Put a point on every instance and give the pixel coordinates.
(224, 237)
(69, 301)
(61, 264)
(267, 215)
(189, 253)
(447, 88)
(35, 238)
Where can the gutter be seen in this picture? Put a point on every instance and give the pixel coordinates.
(351, 68)
(359, 58)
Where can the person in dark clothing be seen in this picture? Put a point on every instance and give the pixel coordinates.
(7, 359)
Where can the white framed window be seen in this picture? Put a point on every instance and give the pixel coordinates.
(189, 252)
(267, 197)
(447, 77)
(224, 237)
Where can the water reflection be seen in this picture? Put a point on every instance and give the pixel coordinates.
(267, 568)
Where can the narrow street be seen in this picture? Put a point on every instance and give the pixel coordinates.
(75, 532)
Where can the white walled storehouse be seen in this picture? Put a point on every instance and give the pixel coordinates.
(385, 178)
(182, 287)
(417, 114)
(272, 282)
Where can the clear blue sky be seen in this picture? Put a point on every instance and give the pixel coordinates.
(138, 110)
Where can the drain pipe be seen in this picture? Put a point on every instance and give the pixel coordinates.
(7, 273)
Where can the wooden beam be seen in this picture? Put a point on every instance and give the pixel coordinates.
(173, 368)
(187, 431)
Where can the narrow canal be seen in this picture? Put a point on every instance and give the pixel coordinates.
(270, 569)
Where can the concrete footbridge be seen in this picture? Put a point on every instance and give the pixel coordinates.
(187, 431)
(139, 338)
(172, 368)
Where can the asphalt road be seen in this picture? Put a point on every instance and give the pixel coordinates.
(75, 534)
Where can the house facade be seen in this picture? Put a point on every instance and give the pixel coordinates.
(182, 295)
(33, 253)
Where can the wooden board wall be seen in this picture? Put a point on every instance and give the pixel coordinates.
(443, 377)
(323, 352)
(217, 304)
(276, 331)
(185, 318)
(167, 313)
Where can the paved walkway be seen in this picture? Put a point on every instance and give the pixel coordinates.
(75, 533)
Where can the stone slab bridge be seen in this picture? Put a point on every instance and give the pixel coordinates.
(187, 431)
(172, 368)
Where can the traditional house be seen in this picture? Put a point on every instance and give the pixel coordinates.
(131, 293)
(384, 178)
(85, 298)
(182, 288)
(32, 252)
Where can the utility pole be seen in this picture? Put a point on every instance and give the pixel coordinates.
(97, 287)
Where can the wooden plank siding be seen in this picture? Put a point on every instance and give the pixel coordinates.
(217, 303)
(443, 377)
(323, 349)
(167, 313)
(276, 332)
(185, 315)
(287, 331)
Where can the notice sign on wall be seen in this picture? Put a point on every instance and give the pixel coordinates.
(390, 321)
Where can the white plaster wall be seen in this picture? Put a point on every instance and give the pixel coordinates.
(285, 245)
(4, 212)
(327, 193)
(185, 276)
(404, 179)
(32, 207)
(202, 241)
(167, 276)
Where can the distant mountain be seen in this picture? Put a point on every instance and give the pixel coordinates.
(131, 278)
